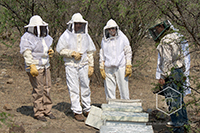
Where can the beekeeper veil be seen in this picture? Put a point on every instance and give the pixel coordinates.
(77, 24)
(37, 26)
(158, 30)
(110, 30)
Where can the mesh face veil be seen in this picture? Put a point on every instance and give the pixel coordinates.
(111, 32)
(157, 30)
(37, 26)
(77, 24)
(43, 31)
(39, 31)
(79, 27)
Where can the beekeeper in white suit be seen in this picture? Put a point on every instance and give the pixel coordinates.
(77, 47)
(115, 61)
(35, 47)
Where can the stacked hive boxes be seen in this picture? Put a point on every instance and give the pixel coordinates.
(119, 116)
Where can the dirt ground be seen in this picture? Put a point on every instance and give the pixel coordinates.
(16, 99)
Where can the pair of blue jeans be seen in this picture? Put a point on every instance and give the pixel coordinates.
(179, 118)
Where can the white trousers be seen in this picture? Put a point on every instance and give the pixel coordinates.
(78, 82)
(115, 76)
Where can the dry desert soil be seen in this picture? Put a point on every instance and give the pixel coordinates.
(16, 105)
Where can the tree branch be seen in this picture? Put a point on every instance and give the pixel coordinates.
(16, 14)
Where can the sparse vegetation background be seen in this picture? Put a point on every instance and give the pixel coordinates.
(134, 17)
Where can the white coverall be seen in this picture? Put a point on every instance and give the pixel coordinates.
(77, 71)
(115, 54)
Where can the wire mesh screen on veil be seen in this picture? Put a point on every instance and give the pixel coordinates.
(71, 27)
(82, 28)
(155, 33)
(42, 33)
(107, 34)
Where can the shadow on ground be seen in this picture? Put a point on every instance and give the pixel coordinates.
(158, 121)
(26, 110)
(64, 107)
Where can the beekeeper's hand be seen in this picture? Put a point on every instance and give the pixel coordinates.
(128, 70)
(161, 81)
(33, 70)
(50, 52)
(76, 55)
(90, 71)
(103, 74)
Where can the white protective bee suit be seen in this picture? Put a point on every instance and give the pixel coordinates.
(34, 48)
(115, 55)
(77, 70)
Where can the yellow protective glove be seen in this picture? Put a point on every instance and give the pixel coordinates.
(50, 52)
(90, 71)
(33, 70)
(128, 70)
(103, 74)
(76, 55)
